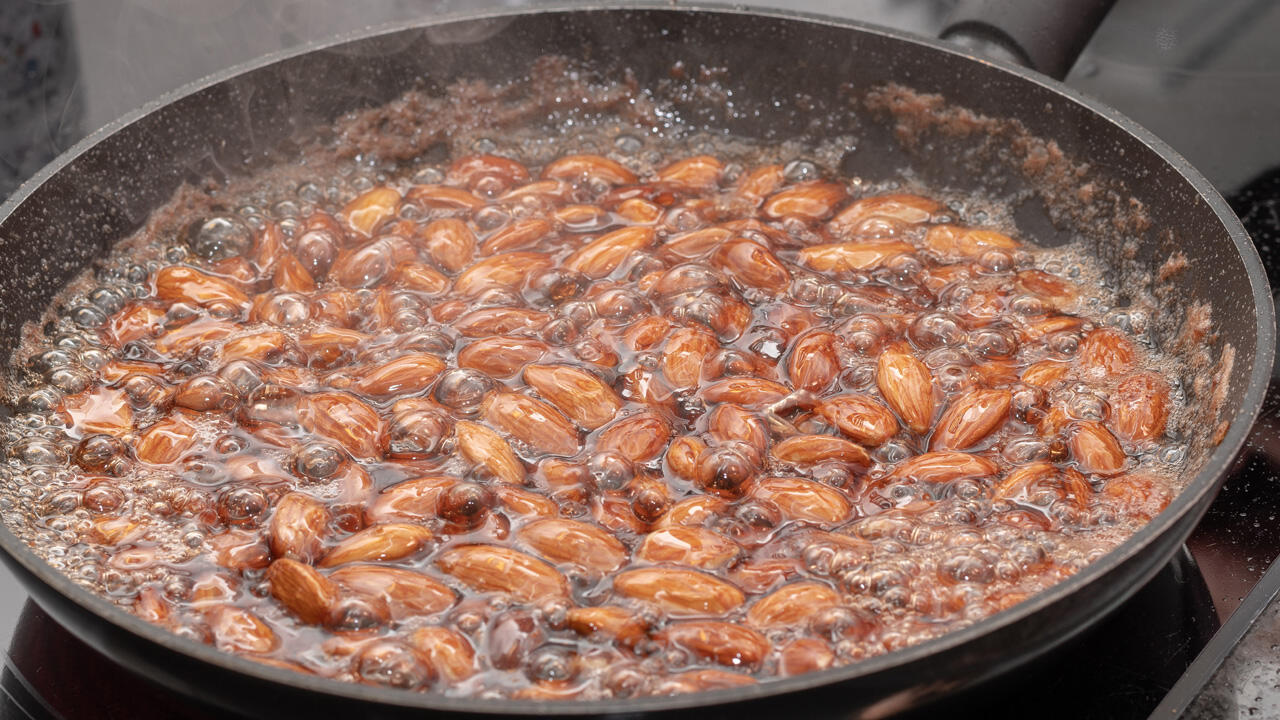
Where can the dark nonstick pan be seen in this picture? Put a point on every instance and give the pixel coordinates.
(1079, 170)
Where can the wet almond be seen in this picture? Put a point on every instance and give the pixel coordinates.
(942, 467)
(570, 541)
(970, 418)
(679, 592)
(639, 438)
(860, 417)
(752, 265)
(812, 364)
(1106, 351)
(811, 449)
(951, 241)
(792, 605)
(299, 527)
(388, 542)
(576, 168)
(491, 568)
(1095, 449)
(580, 395)
(370, 209)
(851, 256)
(531, 421)
(306, 593)
(407, 594)
(815, 201)
(802, 499)
(603, 255)
(486, 448)
(501, 356)
(1140, 407)
(691, 546)
(907, 386)
(685, 355)
(720, 642)
(346, 420)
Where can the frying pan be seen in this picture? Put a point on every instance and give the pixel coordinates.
(1077, 169)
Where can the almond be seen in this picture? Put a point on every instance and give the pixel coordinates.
(745, 391)
(690, 546)
(164, 442)
(907, 387)
(516, 236)
(943, 467)
(406, 375)
(851, 256)
(181, 284)
(346, 420)
(531, 421)
(732, 423)
(812, 363)
(970, 418)
(603, 255)
(569, 541)
(752, 265)
(486, 448)
(501, 356)
(448, 652)
(682, 456)
(407, 594)
(1045, 373)
(639, 438)
(299, 527)
(1106, 351)
(815, 201)
(860, 417)
(304, 592)
(412, 500)
(951, 241)
(802, 499)
(576, 168)
(1095, 449)
(792, 605)
(680, 592)
(371, 208)
(609, 621)
(388, 542)
(1140, 407)
(580, 395)
(500, 321)
(449, 243)
(490, 568)
(813, 449)
(685, 355)
(892, 209)
(696, 174)
(721, 642)
(238, 630)
(443, 197)
(507, 270)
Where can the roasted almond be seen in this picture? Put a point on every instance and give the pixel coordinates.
(516, 236)
(507, 270)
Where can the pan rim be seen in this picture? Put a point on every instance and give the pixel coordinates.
(1203, 483)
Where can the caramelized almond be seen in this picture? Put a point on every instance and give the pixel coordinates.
(449, 243)
(860, 417)
(306, 593)
(691, 546)
(812, 449)
(802, 499)
(812, 363)
(942, 467)
(951, 241)
(406, 375)
(490, 568)
(680, 592)
(407, 594)
(580, 395)
(531, 421)
(580, 167)
(695, 174)
(507, 270)
(721, 642)
(371, 208)
(603, 255)
(1106, 350)
(1140, 407)
(238, 630)
(1044, 373)
(685, 355)
(970, 418)
(851, 256)
(745, 391)
(752, 265)
(907, 386)
(299, 527)
(449, 652)
(501, 356)
(388, 542)
(610, 621)
(639, 438)
(815, 200)
(569, 541)
(516, 236)
(346, 420)
(792, 605)
(895, 208)
(486, 448)
(1095, 449)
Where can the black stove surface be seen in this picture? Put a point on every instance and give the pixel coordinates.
(1205, 77)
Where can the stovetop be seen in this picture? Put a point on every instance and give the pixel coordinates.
(1205, 77)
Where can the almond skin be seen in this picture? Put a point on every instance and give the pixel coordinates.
(970, 418)
(907, 387)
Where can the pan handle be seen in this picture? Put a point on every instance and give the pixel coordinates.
(1044, 35)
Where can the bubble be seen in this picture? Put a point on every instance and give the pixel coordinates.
(285, 309)
(241, 504)
(551, 664)
(417, 433)
(318, 460)
(69, 380)
(800, 170)
(218, 238)
(88, 316)
(628, 143)
(465, 505)
(610, 470)
(1087, 405)
(390, 664)
(555, 286)
(933, 330)
(462, 389)
(107, 299)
